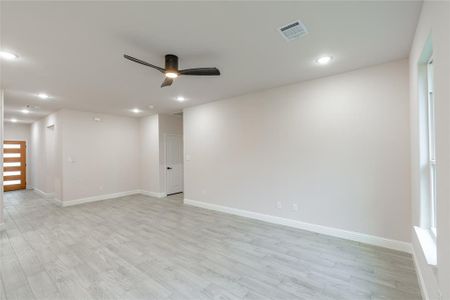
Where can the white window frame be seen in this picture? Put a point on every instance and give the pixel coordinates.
(431, 130)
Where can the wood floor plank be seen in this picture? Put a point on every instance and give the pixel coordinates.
(43, 287)
(2, 289)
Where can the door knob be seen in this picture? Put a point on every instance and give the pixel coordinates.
(169, 168)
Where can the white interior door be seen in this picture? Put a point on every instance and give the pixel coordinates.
(174, 163)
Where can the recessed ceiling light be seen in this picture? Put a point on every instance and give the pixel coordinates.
(25, 111)
(43, 96)
(171, 75)
(151, 106)
(323, 60)
(14, 120)
(8, 55)
(180, 99)
(136, 110)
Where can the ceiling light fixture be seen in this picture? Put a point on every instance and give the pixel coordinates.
(43, 96)
(171, 75)
(323, 60)
(180, 99)
(8, 55)
(136, 110)
(14, 120)
(25, 111)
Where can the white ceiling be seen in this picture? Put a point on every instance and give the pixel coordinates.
(73, 50)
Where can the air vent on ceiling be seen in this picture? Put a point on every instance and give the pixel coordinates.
(293, 30)
(32, 107)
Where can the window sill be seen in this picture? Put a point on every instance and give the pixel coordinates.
(428, 244)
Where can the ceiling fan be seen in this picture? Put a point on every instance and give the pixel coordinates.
(171, 69)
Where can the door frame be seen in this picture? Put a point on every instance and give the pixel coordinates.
(165, 162)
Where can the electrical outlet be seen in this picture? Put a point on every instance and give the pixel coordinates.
(279, 204)
(295, 206)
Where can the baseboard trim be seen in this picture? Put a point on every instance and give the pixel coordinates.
(153, 194)
(335, 232)
(56, 201)
(97, 198)
(422, 285)
(103, 197)
(44, 194)
(2, 227)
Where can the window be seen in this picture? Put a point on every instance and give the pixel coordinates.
(431, 145)
(426, 231)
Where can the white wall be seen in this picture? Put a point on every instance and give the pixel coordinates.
(79, 157)
(149, 154)
(337, 147)
(46, 142)
(168, 124)
(20, 132)
(434, 20)
(93, 158)
(16, 131)
(99, 158)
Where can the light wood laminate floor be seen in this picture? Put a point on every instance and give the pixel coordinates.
(139, 247)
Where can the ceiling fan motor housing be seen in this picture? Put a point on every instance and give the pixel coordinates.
(171, 63)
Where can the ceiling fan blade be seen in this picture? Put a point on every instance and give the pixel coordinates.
(144, 63)
(200, 72)
(167, 82)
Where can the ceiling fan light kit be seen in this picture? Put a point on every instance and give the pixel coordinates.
(171, 70)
